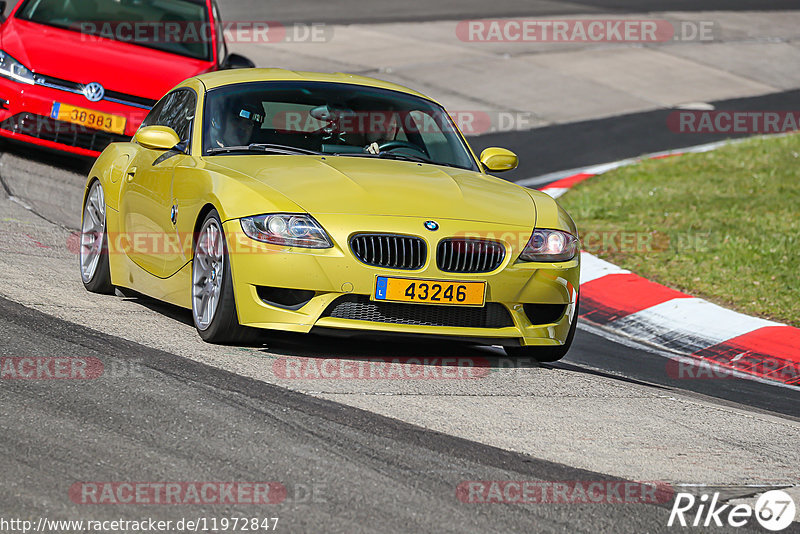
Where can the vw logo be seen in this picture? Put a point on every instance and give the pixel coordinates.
(431, 225)
(94, 92)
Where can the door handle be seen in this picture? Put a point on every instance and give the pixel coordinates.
(131, 173)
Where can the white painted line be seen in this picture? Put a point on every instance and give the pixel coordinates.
(712, 146)
(696, 106)
(708, 147)
(592, 169)
(593, 268)
(605, 167)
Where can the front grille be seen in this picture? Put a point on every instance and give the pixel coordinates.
(77, 88)
(390, 251)
(361, 308)
(469, 255)
(60, 132)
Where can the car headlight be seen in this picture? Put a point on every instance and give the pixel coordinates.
(288, 229)
(14, 70)
(550, 245)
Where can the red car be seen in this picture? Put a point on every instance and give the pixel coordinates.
(76, 75)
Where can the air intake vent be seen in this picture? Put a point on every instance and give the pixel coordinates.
(469, 255)
(390, 251)
(544, 313)
(361, 308)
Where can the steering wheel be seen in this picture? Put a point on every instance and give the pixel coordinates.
(394, 145)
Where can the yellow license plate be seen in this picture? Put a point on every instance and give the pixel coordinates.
(430, 291)
(89, 118)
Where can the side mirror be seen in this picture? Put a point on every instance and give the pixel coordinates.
(157, 137)
(235, 61)
(499, 159)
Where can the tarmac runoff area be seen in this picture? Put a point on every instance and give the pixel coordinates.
(493, 83)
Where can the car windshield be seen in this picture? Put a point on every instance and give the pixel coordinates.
(331, 118)
(177, 26)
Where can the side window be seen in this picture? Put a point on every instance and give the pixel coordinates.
(176, 110)
(178, 114)
(152, 117)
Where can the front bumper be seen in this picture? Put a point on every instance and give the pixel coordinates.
(25, 116)
(341, 288)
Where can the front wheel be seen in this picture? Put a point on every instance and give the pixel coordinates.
(546, 354)
(93, 255)
(213, 304)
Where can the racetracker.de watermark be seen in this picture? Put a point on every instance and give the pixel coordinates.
(68, 368)
(387, 368)
(733, 122)
(593, 241)
(638, 242)
(600, 30)
(611, 241)
(50, 368)
(177, 493)
(174, 32)
(563, 492)
(161, 243)
(764, 366)
(382, 122)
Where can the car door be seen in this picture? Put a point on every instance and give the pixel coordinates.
(146, 202)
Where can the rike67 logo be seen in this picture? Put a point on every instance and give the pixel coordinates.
(775, 510)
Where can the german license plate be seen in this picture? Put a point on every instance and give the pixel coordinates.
(89, 118)
(430, 291)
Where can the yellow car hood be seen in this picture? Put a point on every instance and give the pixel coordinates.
(363, 186)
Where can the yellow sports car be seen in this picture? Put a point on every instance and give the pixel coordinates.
(331, 203)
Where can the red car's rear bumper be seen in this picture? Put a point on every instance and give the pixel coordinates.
(27, 117)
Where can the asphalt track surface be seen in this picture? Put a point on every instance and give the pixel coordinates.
(171, 418)
(579, 144)
(167, 418)
(591, 353)
(358, 11)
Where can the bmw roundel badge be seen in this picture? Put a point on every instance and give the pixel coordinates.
(431, 225)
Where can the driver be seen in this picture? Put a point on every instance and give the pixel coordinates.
(235, 126)
(383, 129)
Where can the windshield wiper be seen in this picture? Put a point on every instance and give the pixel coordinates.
(408, 157)
(388, 155)
(290, 150)
(263, 147)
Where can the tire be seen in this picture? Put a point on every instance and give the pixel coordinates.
(213, 303)
(547, 354)
(93, 251)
